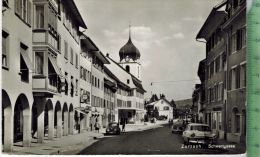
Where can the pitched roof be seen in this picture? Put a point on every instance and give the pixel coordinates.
(91, 47)
(213, 21)
(136, 81)
(76, 13)
(138, 84)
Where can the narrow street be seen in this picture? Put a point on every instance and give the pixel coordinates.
(153, 141)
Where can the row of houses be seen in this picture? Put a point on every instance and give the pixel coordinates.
(55, 80)
(220, 99)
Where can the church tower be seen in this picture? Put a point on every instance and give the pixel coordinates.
(130, 58)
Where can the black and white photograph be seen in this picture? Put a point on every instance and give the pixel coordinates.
(123, 77)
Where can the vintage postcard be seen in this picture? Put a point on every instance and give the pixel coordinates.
(129, 77)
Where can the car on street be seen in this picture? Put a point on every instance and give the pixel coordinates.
(113, 129)
(177, 126)
(196, 133)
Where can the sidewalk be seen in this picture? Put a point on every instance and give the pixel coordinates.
(72, 144)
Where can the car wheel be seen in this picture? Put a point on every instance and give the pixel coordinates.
(185, 141)
(188, 141)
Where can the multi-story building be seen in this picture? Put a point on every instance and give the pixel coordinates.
(110, 88)
(215, 63)
(201, 95)
(225, 66)
(129, 95)
(87, 50)
(44, 94)
(17, 71)
(56, 77)
(97, 89)
(53, 77)
(235, 28)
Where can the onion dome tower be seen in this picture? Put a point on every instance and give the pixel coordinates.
(130, 58)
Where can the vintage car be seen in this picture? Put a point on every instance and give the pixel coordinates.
(113, 129)
(178, 126)
(196, 133)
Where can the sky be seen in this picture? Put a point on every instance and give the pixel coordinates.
(164, 31)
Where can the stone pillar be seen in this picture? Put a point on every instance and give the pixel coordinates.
(8, 133)
(59, 124)
(87, 120)
(71, 122)
(82, 121)
(40, 119)
(100, 121)
(50, 125)
(66, 123)
(27, 129)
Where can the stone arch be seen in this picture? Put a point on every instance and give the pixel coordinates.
(71, 119)
(58, 119)
(7, 125)
(127, 68)
(22, 121)
(49, 119)
(65, 119)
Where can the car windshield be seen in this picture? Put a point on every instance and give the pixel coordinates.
(112, 125)
(200, 128)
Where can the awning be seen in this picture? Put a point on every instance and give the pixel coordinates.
(81, 110)
(27, 60)
(55, 66)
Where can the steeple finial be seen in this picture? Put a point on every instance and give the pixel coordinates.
(129, 29)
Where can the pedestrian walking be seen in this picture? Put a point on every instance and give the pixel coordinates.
(123, 125)
(97, 126)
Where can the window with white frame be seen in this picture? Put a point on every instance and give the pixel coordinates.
(216, 92)
(23, 10)
(239, 38)
(219, 117)
(243, 75)
(39, 16)
(217, 64)
(235, 77)
(71, 56)
(65, 50)
(220, 91)
(214, 120)
(76, 60)
(39, 58)
(234, 42)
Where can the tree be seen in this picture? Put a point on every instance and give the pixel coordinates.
(155, 113)
(154, 98)
(173, 103)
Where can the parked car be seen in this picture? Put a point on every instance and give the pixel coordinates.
(162, 117)
(113, 129)
(199, 134)
(178, 126)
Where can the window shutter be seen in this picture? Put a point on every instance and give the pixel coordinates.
(29, 12)
(18, 7)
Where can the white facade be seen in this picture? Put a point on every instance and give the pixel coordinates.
(133, 67)
(164, 108)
